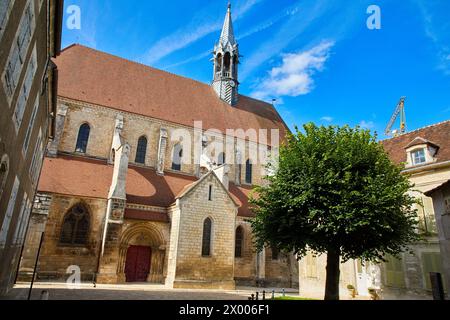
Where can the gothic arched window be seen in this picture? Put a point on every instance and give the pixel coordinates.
(206, 241)
(176, 158)
(219, 62)
(141, 150)
(248, 172)
(235, 65)
(221, 159)
(75, 228)
(83, 138)
(239, 241)
(226, 62)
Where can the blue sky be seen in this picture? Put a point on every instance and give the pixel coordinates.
(316, 57)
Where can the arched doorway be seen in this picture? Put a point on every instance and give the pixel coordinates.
(141, 254)
(137, 263)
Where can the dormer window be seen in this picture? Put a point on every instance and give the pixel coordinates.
(421, 151)
(418, 157)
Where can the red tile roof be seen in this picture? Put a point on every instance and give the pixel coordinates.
(82, 177)
(438, 134)
(146, 215)
(100, 78)
(241, 195)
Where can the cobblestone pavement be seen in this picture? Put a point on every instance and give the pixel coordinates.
(58, 291)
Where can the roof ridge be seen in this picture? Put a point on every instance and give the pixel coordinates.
(135, 62)
(418, 129)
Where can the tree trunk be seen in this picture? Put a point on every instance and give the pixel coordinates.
(333, 273)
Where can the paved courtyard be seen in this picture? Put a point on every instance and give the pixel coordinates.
(60, 291)
(87, 291)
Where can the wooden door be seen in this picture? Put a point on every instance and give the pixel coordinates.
(137, 266)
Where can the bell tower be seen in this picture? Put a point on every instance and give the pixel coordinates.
(226, 61)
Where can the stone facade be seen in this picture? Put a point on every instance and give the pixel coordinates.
(29, 38)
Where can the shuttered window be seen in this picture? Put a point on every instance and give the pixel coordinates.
(38, 155)
(22, 216)
(9, 213)
(431, 262)
(311, 266)
(19, 51)
(25, 91)
(395, 276)
(5, 10)
(31, 125)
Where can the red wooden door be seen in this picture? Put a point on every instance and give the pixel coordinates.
(137, 265)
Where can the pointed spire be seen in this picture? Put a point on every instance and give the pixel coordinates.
(227, 30)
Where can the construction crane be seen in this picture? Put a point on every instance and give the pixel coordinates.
(399, 110)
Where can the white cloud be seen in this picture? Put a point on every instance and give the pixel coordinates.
(295, 75)
(367, 124)
(327, 119)
(194, 31)
(260, 27)
(437, 30)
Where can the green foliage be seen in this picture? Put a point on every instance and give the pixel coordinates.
(335, 188)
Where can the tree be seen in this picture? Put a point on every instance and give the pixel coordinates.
(335, 191)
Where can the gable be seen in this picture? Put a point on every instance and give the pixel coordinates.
(199, 191)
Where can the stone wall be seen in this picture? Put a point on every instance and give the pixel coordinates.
(245, 266)
(102, 120)
(216, 270)
(55, 258)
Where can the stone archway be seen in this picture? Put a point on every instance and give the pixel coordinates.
(143, 235)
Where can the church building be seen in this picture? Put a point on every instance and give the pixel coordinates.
(126, 197)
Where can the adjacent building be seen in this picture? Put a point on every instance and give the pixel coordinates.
(30, 33)
(441, 205)
(426, 155)
(125, 194)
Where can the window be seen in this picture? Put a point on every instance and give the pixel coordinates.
(30, 126)
(221, 159)
(239, 242)
(75, 227)
(431, 262)
(394, 272)
(210, 193)
(19, 50)
(446, 205)
(21, 220)
(176, 159)
(25, 91)
(4, 169)
(311, 265)
(9, 213)
(5, 9)
(248, 172)
(83, 138)
(141, 150)
(418, 156)
(38, 155)
(206, 243)
(275, 253)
